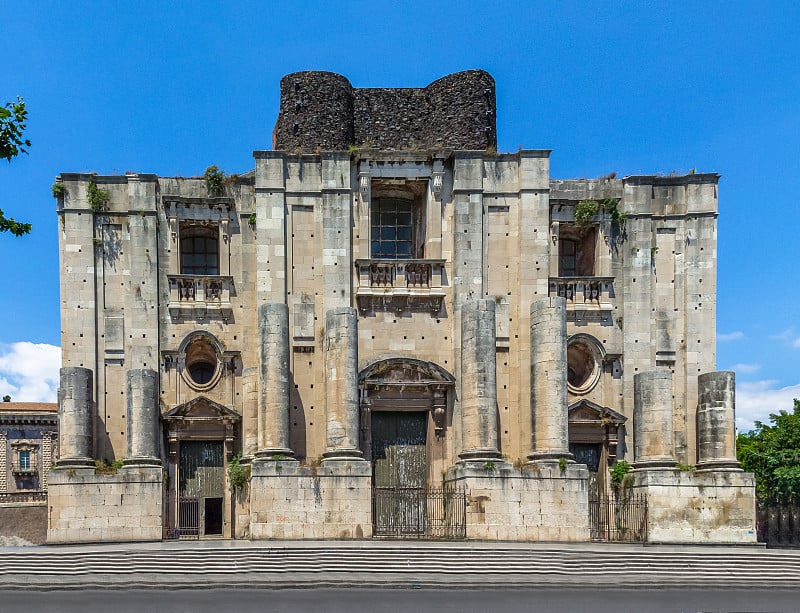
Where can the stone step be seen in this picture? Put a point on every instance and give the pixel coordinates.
(433, 562)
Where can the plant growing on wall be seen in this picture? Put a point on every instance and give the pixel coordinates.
(58, 189)
(251, 221)
(587, 209)
(620, 479)
(238, 474)
(98, 197)
(215, 180)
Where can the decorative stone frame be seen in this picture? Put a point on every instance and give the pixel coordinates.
(225, 361)
(423, 386)
(586, 353)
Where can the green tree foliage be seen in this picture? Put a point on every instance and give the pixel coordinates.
(12, 125)
(772, 453)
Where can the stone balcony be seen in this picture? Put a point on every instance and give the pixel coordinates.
(400, 284)
(24, 469)
(588, 298)
(200, 296)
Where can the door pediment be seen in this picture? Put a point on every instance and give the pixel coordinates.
(201, 409)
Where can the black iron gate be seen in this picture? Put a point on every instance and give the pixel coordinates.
(779, 525)
(201, 482)
(618, 518)
(403, 506)
(435, 513)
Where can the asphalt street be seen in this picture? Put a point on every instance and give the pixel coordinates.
(412, 601)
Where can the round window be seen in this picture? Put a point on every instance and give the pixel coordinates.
(202, 364)
(583, 365)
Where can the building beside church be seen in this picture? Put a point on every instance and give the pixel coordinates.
(384, 313)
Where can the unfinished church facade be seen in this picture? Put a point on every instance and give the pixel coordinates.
(386, 307)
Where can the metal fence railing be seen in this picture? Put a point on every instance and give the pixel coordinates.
(618, 518)
(433, 513)
(779, 525)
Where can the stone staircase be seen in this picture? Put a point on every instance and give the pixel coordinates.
(397, 564)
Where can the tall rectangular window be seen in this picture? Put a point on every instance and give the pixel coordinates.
(25, 460)
(392, 231)
(199, 255)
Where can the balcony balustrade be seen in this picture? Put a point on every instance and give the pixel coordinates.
(587, 290)
(200, 295)
(400, 283)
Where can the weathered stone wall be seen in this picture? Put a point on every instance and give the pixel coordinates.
(296, 502)
(698, 507)
(322, 111)
(24, 520)
(86, 506)
(538, 503)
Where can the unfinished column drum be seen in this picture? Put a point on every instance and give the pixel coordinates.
(550, 423)
(652, 419)
(341, 384)
(716, 420)
(142, 417)
(273, 422)
(76, 417)
(478, 381)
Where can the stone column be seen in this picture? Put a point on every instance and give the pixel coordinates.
(478, 381)
(142, 417)
(716, 421)
(341, 384)
(652, 419)
(549, 380)
(76, 417)
(273, 414)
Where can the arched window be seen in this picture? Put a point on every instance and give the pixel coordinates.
(199, 251)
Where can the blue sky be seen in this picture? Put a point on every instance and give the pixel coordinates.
(632, 88)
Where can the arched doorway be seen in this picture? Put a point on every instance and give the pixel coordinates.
(405, 406)
(200, 435)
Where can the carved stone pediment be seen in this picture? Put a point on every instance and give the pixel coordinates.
(201, 409)
(405, 371)
(586, 411)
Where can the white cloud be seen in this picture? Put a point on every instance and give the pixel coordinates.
(786, 335)
(757, 399)
(29, 371)
(796, 343)
(731, 336)
(746, 368)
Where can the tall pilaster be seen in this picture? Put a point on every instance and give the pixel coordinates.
(549, 380)
(76, 417)
(652, 419)
(716, 421)
(273, 414)
(250, 411)
(142, 416)
(479, 381)
(341, 384)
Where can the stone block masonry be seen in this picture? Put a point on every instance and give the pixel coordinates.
(541, 502)
(84, 506)
(332, 501)
(322, 110)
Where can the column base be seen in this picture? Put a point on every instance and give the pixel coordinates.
(343, 454)
(655, 463)
(74, 463)
(141, 461)
(479, 455)
(550, 454)
(723, 465)
(274, 454)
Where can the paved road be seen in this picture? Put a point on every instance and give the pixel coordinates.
(411, 601)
